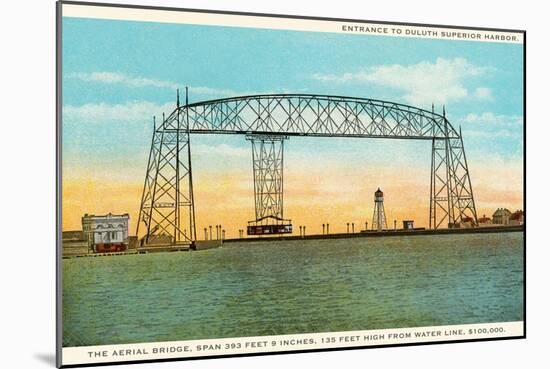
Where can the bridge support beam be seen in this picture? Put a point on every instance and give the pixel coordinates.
(267, 164)
(451, 197)
(167, 208)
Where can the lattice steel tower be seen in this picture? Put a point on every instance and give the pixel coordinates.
(451, 196)
(379, 216)
(267, 164)
(167, 204)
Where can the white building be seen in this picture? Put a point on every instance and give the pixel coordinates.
(106, 233)
(501, 216)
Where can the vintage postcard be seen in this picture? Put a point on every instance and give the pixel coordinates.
(235, 184)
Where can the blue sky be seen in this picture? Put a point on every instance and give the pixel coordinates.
(220, 61)
(118, 74)
(243, 60)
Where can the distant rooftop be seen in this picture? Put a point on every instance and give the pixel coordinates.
(110, 215)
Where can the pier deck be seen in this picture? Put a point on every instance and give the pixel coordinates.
(204, 245)
(386, 233)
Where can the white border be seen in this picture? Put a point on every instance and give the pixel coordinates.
(288, 24)
(282, 343)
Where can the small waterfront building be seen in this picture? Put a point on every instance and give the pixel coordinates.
(517, 218)
(484, 221)
(408, 224)
(467, 222)
(74, 243)
(501, 216)
(106, 233)
(72, 235)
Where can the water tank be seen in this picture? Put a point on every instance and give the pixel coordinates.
(379, 195)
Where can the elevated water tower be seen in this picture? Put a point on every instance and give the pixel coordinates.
(379, 216)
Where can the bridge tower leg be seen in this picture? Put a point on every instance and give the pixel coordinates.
(167, 209)
(451, 197)
(267, 164)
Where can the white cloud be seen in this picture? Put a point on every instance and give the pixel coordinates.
(491, 125)
(501, 133)
(130, 111)
(140, 82)
(491, 118)
(484, 93)
(422, 83)
(121, 78)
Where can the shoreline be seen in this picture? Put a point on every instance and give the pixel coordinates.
(206, 245)
(387, 233)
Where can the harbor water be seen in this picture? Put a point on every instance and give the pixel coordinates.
(286, 287)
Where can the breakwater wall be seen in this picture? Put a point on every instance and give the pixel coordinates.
(386, 233)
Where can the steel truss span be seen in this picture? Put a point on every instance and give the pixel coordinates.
(168, 181)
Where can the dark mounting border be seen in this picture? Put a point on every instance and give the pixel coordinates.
(58, 193)
(59, 103)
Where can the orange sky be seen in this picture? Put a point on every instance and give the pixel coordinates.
(334, 195)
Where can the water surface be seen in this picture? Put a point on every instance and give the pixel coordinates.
(265, 288)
